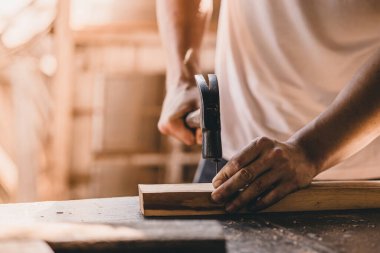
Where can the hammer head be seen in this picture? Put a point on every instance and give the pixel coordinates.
(210, 117)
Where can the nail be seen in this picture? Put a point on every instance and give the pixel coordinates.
(217, 183)
(216, 197)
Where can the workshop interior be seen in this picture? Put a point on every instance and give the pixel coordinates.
(84, 163)
(82, 84)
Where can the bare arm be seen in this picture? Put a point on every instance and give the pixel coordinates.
(350, 122)
(269, 170)
(182, 24)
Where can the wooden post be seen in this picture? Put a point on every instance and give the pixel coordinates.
(25, 246)
(174, 167)
(63, 99)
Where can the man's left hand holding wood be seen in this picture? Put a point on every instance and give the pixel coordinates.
(261, 174)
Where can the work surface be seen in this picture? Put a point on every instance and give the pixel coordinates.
(343, 231)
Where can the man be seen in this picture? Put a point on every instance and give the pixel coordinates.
(304, 74)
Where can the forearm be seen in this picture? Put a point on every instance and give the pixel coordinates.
(349, 123)
(182, 24)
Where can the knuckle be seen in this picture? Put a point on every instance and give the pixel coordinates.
(163, 128)
(278, 152)
(246, 175)
(259, 164)
(264, 141)
(225, 175)
(236, 164)
(259, 186)
(220, 177)
(226, 190)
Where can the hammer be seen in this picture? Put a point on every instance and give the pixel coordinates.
(209, 119)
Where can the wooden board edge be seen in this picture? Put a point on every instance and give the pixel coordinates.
(141, 200)
(365, 197)
(200, 187)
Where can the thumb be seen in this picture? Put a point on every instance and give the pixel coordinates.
(198, 136)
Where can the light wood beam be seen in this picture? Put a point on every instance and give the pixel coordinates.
(195, 199)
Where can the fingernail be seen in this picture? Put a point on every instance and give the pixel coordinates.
(216, 197)
(217, 183)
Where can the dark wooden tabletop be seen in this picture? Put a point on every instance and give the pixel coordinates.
(343, 231)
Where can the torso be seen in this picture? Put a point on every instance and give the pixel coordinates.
(281, 63)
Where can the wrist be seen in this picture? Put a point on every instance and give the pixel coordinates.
(305, 155)
(180, 80)
(181, 70)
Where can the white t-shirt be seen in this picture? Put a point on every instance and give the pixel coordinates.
(281, 63)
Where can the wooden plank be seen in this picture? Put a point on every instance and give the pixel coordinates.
(195, 199)
(144, 236)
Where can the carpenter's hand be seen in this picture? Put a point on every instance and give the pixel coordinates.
(178, 103)
(261, 174)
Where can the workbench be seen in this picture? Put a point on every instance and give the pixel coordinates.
(343, 231)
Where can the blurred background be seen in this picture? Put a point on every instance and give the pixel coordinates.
(81, 88)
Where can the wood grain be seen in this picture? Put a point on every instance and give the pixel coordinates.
(195, 199)
(336, 231)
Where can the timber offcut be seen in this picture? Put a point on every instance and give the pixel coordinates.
(195, 199)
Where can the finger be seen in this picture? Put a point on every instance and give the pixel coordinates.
(240, 179)
(243, 158)
(182, 133)
(177, 129)
(198, 136)
(255, 189)
(273, 196)
(193, 119)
